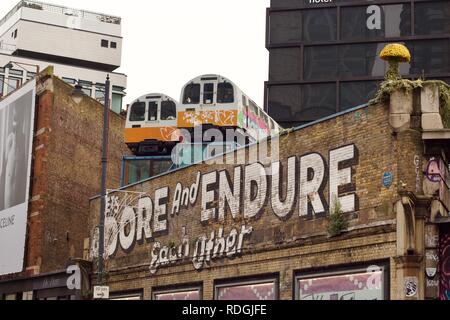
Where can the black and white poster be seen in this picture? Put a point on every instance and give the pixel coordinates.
(16, 139)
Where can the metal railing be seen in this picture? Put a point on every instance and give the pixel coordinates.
(62, 10)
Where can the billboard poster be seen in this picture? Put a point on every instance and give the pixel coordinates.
(16, 140)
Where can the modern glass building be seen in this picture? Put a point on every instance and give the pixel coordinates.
(324, 53)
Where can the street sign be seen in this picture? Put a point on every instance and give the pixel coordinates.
(101, 292)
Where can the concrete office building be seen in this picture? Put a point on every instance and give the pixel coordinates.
(324, 54)
(81, 46)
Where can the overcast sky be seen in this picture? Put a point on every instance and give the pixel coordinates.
(169, 42)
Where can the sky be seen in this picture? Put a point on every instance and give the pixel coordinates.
(169, 42)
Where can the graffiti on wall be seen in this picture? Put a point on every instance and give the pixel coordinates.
(431, 261)
(438, 173)
(444, 254)
(241, 195)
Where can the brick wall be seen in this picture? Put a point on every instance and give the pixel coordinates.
(297, 243)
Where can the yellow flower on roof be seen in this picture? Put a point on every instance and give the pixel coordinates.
(395, 52)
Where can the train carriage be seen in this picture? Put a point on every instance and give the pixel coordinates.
(215, 101)
(151, 125)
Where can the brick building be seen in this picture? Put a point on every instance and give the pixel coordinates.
(65, 173)
(242, 231)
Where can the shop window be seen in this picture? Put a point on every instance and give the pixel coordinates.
(168, 110)
(262, 289)
(225, 93)
(432, 18)
(285, 27)
(152, 111)
(353, 284)
(126, 296)
(208, 93)
(192, 94)
(186, 294)
(137, 112)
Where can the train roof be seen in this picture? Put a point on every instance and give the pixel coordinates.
(154, 96)
(210, 77)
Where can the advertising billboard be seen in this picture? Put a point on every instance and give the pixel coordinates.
(16, 139)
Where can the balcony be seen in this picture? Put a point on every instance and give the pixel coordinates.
(83, 14)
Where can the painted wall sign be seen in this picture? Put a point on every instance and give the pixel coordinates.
(16, 139)
(388, 179)
(411, 287)
(243, 194)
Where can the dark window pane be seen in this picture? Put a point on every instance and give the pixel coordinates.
(192, 94)
(285, 64)
(2, 79)
(361, 60)
(285, 27)
(432, 18)
(319, 25)
(113, 45)
(318, 101)
(137, 112)
(282, 102)
(105, 43)
(321, 62)
(152, 111)
(208, 93)
(168, 110)
(353, 94)
(429, 56)
(375, 21)
(225, 93)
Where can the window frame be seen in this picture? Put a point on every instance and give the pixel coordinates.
(245, 281)
(131, 112)
(348, 269)
(178, 289)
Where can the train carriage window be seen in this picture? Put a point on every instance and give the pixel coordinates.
(225, 93)
(153, 111)
(137, 112)
(208, 93)
(192, 94)
(168, 110)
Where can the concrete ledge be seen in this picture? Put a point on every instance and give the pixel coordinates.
(431, 121)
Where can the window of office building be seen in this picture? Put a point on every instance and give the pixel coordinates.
(318, 101)
(283, 100)
(187, 294)
(285, 64)
(353, 94)
(429, 57)
(2, 80)
(432, 18)
(285, 27)
(369, 283)
(116, 102)
(375, 21)
(321, 62)
(257, 290)
(319, 25)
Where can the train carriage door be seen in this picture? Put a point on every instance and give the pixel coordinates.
(209, 89)
(153, 111)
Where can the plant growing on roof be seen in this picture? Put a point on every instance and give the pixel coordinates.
(337, 222)
(395, 54)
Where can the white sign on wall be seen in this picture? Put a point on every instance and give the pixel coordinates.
(16, 140)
